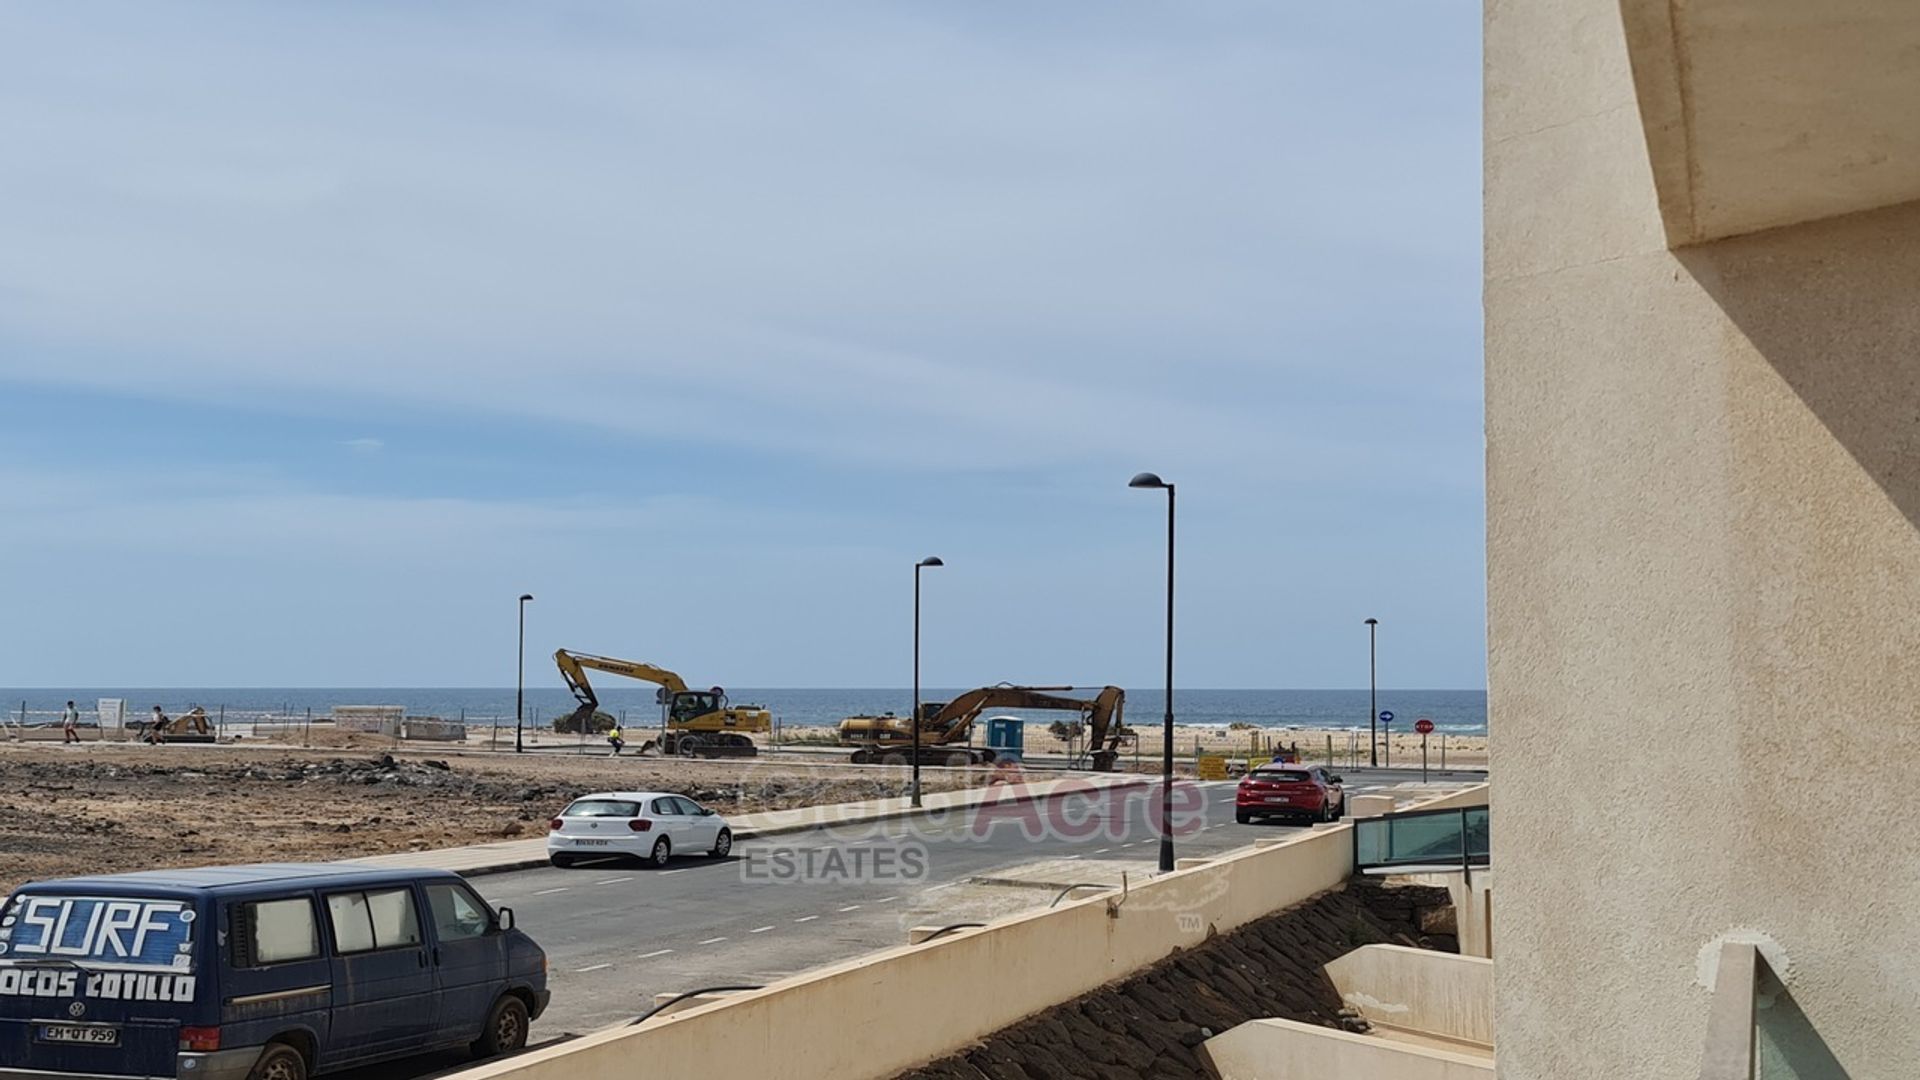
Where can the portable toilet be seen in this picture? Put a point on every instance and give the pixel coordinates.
(1007, 738)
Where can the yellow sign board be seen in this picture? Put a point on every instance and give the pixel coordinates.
(1255, 762)
(1211, 767)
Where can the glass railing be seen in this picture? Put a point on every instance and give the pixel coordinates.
(1460, 837)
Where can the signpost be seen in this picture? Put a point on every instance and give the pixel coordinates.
(1425, 727)
(1386, 722)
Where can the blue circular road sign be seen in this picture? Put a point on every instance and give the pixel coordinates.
(1386, 716)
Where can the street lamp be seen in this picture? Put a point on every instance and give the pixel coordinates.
(520, 684)
(914, 721)
(1149, 480)
(1373, 693)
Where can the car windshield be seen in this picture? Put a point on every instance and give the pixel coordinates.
(98, 932)
(1280, 776)
(602, 808)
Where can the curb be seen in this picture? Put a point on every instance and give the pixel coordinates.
(749, 834)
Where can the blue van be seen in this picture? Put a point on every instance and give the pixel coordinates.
(271, 972)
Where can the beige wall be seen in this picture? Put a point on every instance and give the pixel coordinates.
(950, 992)
(1435, 993)
(1703, 478)
(1285, 1050)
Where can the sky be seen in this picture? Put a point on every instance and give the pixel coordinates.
(328, 330)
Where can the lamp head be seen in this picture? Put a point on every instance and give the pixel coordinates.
(525, 596)
(1373, 622)
(931, 560)
(1147, 480)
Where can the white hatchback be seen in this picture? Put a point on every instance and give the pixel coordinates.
(652, 826)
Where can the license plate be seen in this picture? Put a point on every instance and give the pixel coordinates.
(592, 843)
(1277, 798)
(91, 1034)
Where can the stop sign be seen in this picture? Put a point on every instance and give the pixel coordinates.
(1423, 725)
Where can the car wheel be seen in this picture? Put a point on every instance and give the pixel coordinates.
(1242, 817)
(1340, 809)
(279, 1062)
(662, 851)
(722, 844)
(506, 1029)
(562, 862)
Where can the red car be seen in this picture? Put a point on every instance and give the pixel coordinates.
(1299, 791)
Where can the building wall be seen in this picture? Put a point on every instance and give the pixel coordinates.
(1703, 474)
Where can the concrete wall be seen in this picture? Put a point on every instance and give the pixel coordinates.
(1285, 1050)
(1419, 990)
(952, 991)
(1703, 478)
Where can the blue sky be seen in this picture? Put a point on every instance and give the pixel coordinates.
(326, 330)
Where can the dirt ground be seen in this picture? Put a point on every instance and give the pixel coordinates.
(106, 808)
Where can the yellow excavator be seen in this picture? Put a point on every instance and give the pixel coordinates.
(698, 723)
(944, 727)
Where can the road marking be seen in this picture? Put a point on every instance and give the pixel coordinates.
(667, 873)
(1101, 851)
(654, 953)
(595, 967)
(851, 907)
(886, 900)
(937, 888)
(613, 881)
(1069, 856)
(806, 918)
(759, 929)
(544, 892)
(713, 941)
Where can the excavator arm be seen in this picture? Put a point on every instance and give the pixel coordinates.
(953, 721)
(573, 668)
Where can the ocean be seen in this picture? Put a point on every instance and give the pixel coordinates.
(1462, 712)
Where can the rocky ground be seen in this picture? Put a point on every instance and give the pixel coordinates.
(1153, 1024)
(110, 808)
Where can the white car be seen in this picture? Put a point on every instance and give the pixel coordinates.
(652, 826)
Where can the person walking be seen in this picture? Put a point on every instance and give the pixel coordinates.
(70, 725)
(615, 740)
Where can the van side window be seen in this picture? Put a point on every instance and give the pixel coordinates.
(458, 915)
(378, 919)
(274, 932)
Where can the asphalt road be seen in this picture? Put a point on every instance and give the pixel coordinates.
(616, 934)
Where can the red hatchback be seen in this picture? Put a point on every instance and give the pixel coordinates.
(1307, 791)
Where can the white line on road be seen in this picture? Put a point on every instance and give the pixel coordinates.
(886, 900)
(806, 918)
(713, 941)
(613, 881)
(670, 873)
(544, 892)
(1101, 851)
(851, 907)
(759, 929)
(654, 953)
(595, 967)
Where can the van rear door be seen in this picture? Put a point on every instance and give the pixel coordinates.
(100, 983)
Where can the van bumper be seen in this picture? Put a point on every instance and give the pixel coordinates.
(540, 999)
(232, 1064)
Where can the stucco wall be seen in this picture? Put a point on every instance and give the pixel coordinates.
(1436, 993)
(1703, 479)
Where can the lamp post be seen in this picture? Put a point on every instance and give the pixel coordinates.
(913, 721)
(520, 683)
(1373, 693)
(1149, 480)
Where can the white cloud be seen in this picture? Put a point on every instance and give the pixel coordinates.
(365, 445)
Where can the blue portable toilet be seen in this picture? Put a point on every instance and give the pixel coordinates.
(1007, 738)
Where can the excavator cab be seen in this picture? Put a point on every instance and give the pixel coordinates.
(690, 705)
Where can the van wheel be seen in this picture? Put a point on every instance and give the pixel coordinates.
(722, 844)
(279, 1062)
(662, 852)
(506, 1029)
